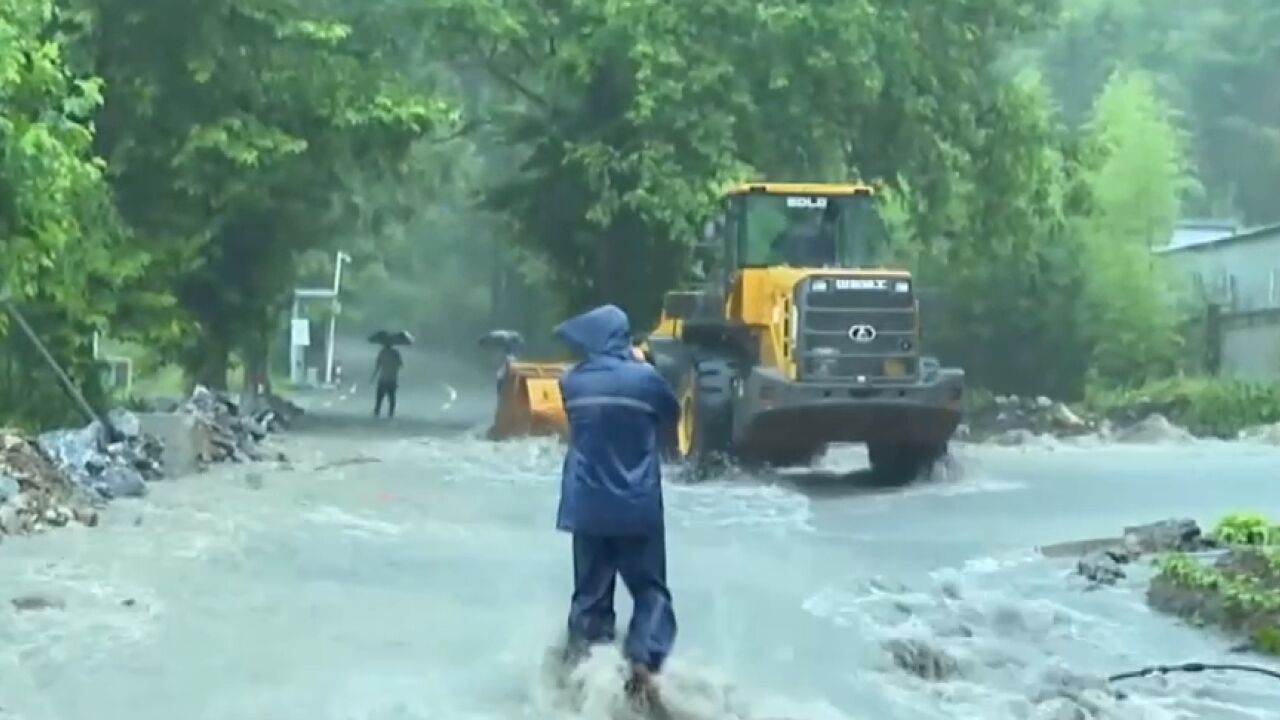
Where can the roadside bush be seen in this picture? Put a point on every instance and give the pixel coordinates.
(1205, 406)
(1239, 592)
(1245, 528)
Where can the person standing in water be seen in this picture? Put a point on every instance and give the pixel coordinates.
(386, 379)
(611, 494)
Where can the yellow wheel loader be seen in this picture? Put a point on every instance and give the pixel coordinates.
(793, 338)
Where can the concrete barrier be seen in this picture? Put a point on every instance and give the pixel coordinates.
(186, 442)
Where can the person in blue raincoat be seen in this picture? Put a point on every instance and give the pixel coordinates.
(611, 492)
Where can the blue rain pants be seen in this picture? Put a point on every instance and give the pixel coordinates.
(641, 560)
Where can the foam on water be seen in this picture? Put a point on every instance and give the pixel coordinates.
(430, 585)
(594, 690)
(973, 645)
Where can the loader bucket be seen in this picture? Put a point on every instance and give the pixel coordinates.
(529, 402)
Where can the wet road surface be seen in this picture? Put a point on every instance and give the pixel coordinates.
(410, 570)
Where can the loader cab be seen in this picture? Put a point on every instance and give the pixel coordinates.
(797, 225)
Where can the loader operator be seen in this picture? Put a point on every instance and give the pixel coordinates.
(611, 494)
(809, 240)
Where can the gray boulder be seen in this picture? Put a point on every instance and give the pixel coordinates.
(9, 487)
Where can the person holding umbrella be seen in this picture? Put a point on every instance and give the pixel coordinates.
(386, 369)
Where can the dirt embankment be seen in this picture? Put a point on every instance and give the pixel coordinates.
(1228, 580)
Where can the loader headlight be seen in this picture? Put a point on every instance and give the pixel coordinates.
(895, 368)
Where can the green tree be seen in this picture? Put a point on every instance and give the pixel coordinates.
(1002, 277)
(1214, 61)
(1230, 68)
(633, 117)
(1138, 174)
(231, 128)
(65, 260)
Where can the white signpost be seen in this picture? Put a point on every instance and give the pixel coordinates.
(300, 326)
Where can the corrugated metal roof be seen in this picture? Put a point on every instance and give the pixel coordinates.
(1190, 233)
(1203, 235)
(1206, 238)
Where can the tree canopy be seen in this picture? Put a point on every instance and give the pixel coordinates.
(170, 170)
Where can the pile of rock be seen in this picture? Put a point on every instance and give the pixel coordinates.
(64, 474)
(1014, 421)
(34, 492)
(1105, 566)
(228, 433)
(110, 466)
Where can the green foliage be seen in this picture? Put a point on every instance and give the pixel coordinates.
(620, 161)
(1215, 60)
(1267, 639)
(1245, 584)
(1206, 406)
(1245, 528)
(1137, 173)
(504, 161)
(66, 262)
(231, 127)
(633, 118)
(1243, 593)
(1005, 267)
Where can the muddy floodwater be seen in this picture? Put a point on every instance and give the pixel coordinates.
(405, 577)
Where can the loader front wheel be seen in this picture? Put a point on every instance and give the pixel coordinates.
(897, 465)
(705, 431)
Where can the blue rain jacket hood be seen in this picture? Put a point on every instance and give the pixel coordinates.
(618, 409)
(604, 331)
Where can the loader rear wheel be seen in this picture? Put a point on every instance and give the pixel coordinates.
(705, 431)
(902, 464)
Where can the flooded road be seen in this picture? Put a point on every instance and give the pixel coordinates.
(400, 572)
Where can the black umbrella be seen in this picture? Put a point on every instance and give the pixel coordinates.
(391, 337)
(506, 340)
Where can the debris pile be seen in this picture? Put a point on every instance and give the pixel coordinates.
(62, 475)
(230, 435)
(111, 467)
(1154, 429)
(34, 492)
(1105, 566)
(1010, 421)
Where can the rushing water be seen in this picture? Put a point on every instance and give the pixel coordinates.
(421, 578)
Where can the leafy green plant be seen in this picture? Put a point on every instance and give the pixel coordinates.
(1244, 528)
(1267, 639)
(1245, 594)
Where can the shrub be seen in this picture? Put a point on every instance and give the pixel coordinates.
(1206, 406)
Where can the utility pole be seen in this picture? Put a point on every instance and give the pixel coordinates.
(68, 385)
(297, 341)
(336, 308)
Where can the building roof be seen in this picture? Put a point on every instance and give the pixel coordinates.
(1205, 235)
(1190, 233)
